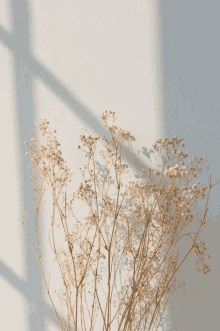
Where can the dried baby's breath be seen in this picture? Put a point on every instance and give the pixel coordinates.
(148, 215)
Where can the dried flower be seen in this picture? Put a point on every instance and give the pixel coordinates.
(146, 206)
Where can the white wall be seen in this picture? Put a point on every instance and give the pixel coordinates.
(66, 61)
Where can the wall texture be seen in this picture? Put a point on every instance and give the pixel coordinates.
(156, 65)
(191, 108)
(66, 61)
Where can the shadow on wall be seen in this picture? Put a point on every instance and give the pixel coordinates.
(192, 111)
(190, 84)
(26, 68)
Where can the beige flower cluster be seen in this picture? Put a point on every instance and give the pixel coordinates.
(53, 169)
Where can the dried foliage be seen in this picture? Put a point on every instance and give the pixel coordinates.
(134, 234)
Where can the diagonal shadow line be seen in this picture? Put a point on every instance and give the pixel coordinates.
(10, 276)
(7, 38)
(85, 115)
(79, 109)
(22, 287)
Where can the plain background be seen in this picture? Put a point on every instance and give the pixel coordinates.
(155, 63)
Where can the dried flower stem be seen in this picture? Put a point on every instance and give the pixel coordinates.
(150, 219)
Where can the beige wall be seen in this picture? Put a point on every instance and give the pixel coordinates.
(86, 57)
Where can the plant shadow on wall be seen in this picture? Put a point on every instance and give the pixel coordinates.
(153, 155)
(125, 245)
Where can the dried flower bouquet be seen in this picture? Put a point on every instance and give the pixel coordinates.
(135, 234)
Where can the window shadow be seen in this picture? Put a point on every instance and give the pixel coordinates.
(26, 68)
